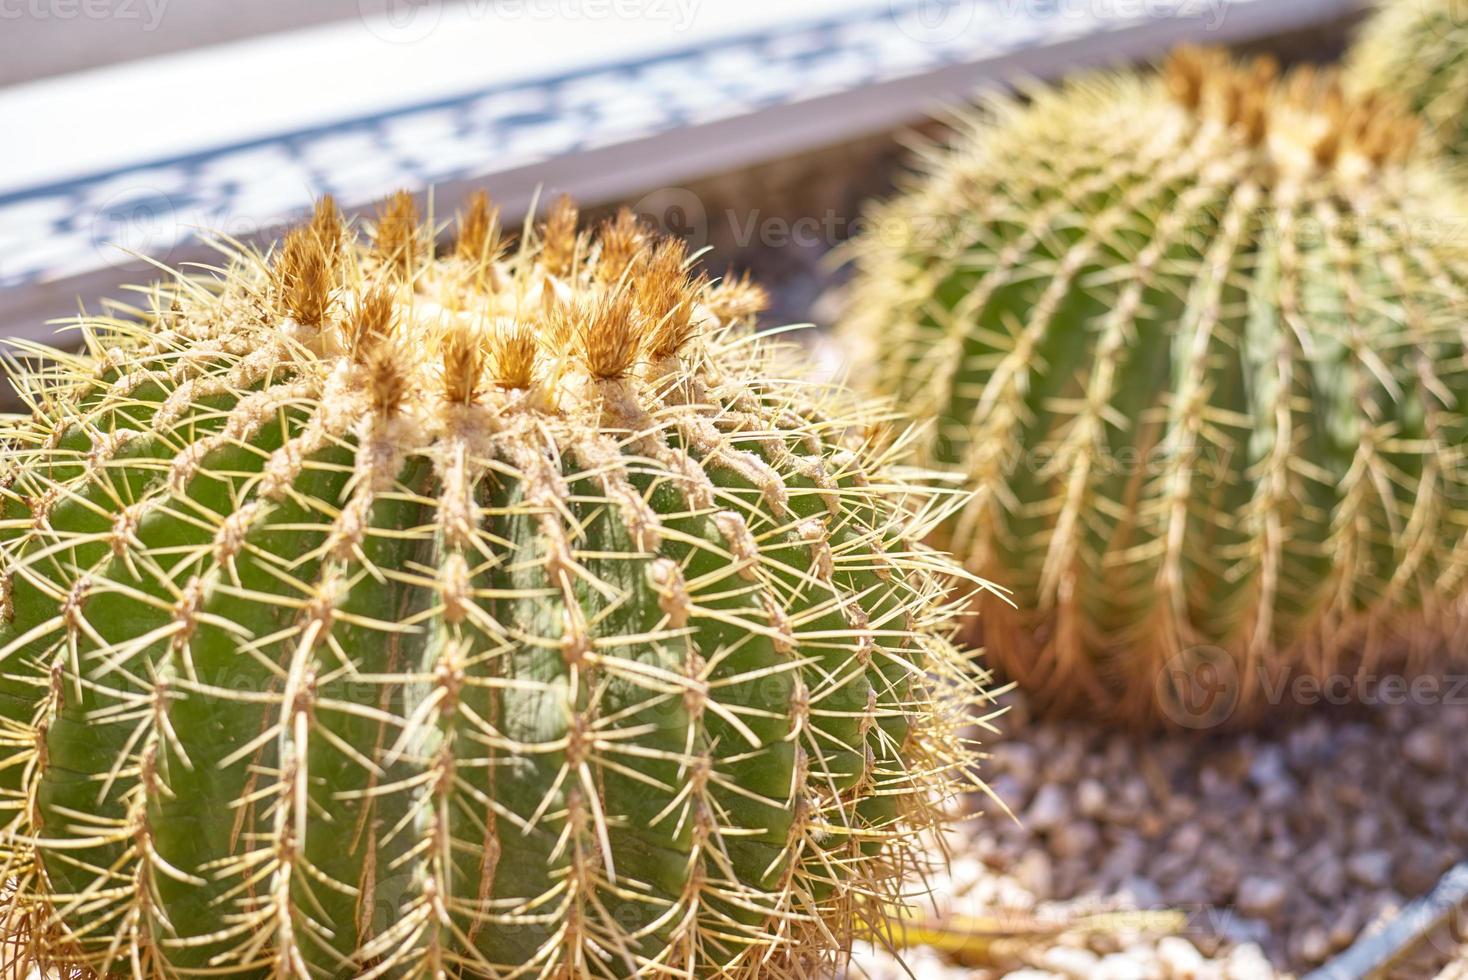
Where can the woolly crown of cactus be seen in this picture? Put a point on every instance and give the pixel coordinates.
(503, 613)
(1195, 341)
(1417, 51)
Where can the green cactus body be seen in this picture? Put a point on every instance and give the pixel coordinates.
(1417, 51)
(500, 614)
(1195, 342)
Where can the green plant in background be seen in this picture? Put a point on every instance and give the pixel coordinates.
(371, 613)
(1417, 51)
(1195, 341)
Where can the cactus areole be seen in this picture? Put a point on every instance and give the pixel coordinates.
(497, 613)
(1196, 342)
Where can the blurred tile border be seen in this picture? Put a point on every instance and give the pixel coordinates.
(600, 133)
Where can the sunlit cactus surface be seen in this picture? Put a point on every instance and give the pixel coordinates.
(1195, 341)
(502, 612)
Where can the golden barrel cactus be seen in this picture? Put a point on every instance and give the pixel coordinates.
(507, 612)
(1195, 340)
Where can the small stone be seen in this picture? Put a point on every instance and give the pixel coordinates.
(1129, 801)
(1417, 872)
(1247, 962)
(1327, 879)
(1261, 897)
(925, 962)
(1313, 945)
(964, 872)
(1010, 791)
(1180, 958)
(1151, 825)
(1458, 827)
(1091, 798)
(1036, 874)
(1065, 768)
(1382, 906)
(1070, 877)
(1125, 966)
(1346, 926)
(1191, 889)
(1186, 840)
(1366, 830)
(1427, 749)
(1170, 867)
(1126, 858)
(1075, 839)
(1268, 766)
(1180, 809)
(1370, 868)
(1280, 795)
(1069, 961)
(1141, 893)
(1222, 863)
(1050, 809)
(1019, 760)
(1241, 931)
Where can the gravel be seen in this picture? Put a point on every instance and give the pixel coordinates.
(1282, 847)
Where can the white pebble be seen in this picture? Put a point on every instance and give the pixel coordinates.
(1262, 897)
(1180, 958)
(1247, 962)
(1069, 961)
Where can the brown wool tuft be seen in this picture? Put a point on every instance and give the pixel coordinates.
(304, 277)
(479, 231)
(463, 366)
(621, 242)
(737, 299)
(1251, 96)
(512, 352)
(396, 240)
(558, 250)
(330, 231)
(1187, 71)
(673, 333)
(666, 299)
(608, 335)
(387, 380)
(371, 322)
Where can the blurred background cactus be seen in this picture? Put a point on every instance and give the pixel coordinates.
(1194, 339)
(1417, 51)
(375, 613)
